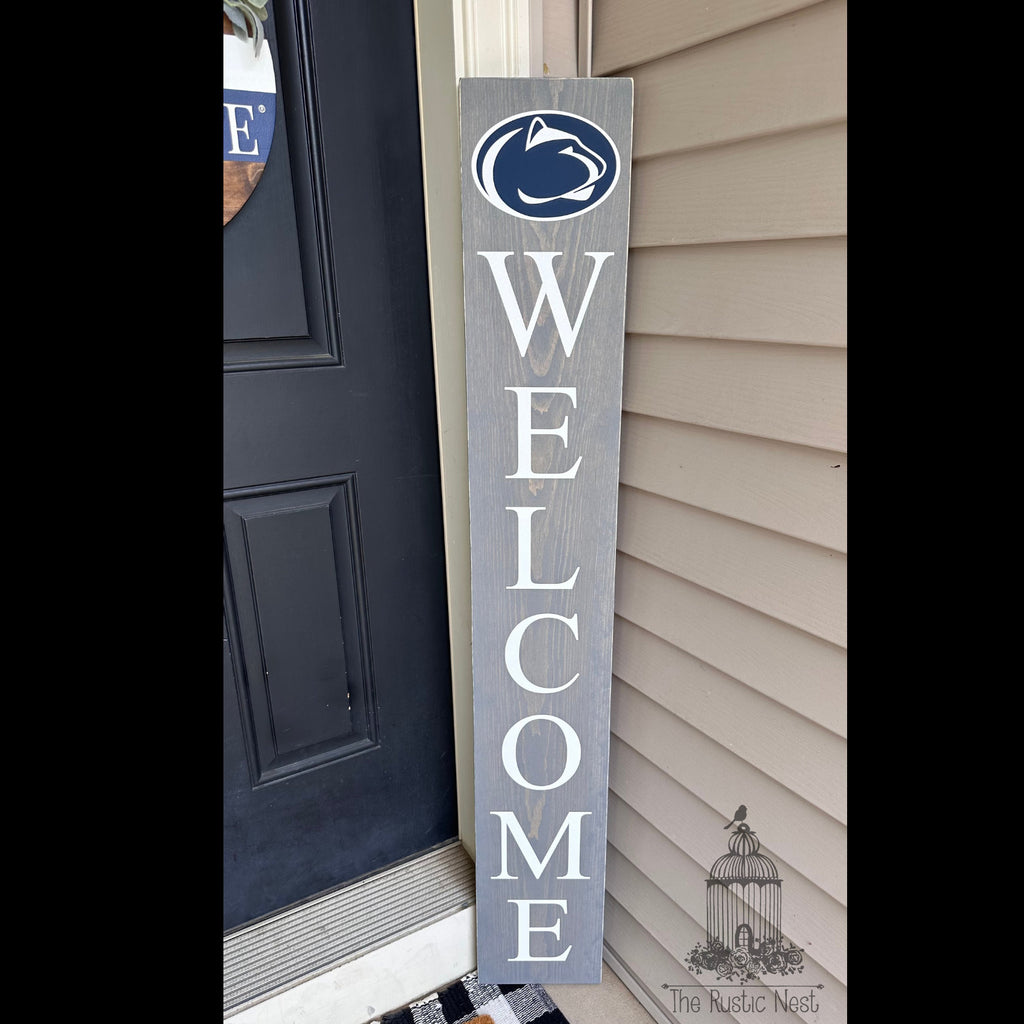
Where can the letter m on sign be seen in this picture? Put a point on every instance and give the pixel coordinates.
(510, 827)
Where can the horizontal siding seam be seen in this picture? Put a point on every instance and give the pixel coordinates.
(741, 240)
(726, 144)
(722, 340)
(721, 671)
(619, 70)
(634, 410)
(735, 752)
(702, 924)
(721, 245)
(778, 636)
(788, 343)
(728, 750)
(636, 414)
(732, 337)
(725, 515)
(792, 184)
(732, 519)
(728, 597)
(824, 450)
(813, 125)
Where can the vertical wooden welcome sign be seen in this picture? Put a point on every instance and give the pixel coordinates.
(545, 209)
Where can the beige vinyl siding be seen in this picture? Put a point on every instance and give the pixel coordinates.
(797, 583)
(779, 186)
(788, 665)
(792, 291)
(792, 393)
(782, 75)
(630, 32)
(688, 823)
(729, 681)
(785, 488)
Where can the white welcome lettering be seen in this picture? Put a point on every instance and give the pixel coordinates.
(549, 290)
(525, 928)
(524, 517)
(510, 827)
(514, 647)
(573, 752)
(524, 405)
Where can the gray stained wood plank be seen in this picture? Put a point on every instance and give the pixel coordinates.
(575, 530)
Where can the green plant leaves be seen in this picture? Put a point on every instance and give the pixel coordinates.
(246, 17)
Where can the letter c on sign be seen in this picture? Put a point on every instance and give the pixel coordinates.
(514, 644)
(573, 752)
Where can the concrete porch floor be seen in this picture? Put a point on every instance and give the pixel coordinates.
(608, 1003)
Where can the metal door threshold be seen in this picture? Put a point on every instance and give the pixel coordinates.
(278, 952)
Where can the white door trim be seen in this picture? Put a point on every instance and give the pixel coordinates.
(498, 38)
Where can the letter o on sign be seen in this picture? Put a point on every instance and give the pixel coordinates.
(573, 751)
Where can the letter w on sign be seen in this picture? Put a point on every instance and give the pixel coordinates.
(549, 290)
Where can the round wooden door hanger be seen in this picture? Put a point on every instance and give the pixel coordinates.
(250, 94)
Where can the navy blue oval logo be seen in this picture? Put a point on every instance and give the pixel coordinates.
(545, 165)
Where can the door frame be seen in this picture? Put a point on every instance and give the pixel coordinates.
(468, 38)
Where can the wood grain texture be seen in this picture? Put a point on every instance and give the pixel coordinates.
(780, 392)
(691, 825)
(786, 664)
(791, 185)
(807, 759)
(240, 180)
(785, 74)
(787, 290)
(629, 32)
(788, 488)
(790, 580)
(812, 842)
(576, 528)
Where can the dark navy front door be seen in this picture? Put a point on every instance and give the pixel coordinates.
(338, 737)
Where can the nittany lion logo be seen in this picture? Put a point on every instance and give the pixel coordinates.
(545, 165)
